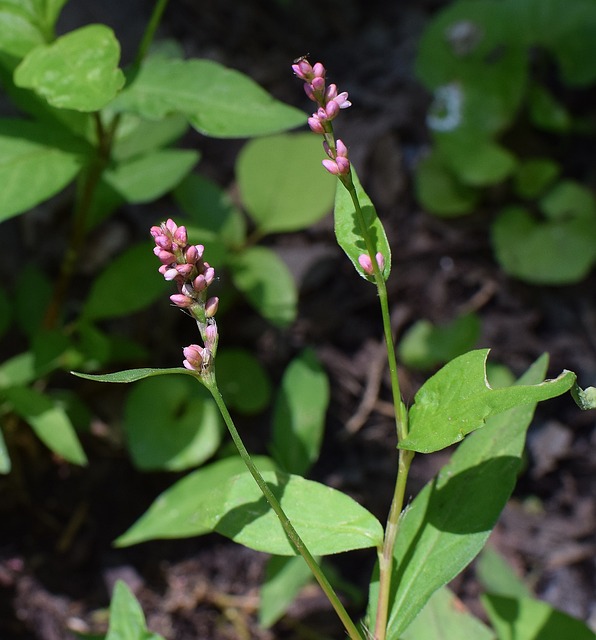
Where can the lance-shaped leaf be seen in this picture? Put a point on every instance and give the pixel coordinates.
(127, 620)
(77, 71)
(218, 101)
(132, 375)
(349, 227)
(458, 400)
(450, 520)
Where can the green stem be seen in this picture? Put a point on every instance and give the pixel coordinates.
(154, 20)
(401, 424)
(211, 384)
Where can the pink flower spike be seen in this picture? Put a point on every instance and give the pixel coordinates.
(194, 357)
(181, 300)
(366, 263)
(380, 260)
(211, 307)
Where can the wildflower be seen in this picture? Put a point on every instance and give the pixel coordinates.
(193, 355)
(366, 263)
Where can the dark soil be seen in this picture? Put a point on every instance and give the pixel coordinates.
(57, 565)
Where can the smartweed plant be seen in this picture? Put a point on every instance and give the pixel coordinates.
(421, 547)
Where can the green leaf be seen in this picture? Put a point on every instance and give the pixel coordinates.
(218, 102)
(449, 521)
(132, 375)
(128, 284)
(458, 400)
(48, 420)
(530, 619)
(299, 414)
(4, 457)
(27, 307)
(149, 177)
(77, 71)
(476, 162)
(267, 283)
(546, 112)
(136, 137)
(284, 578)
(534, 175)
(440, 192)
(242, 381)
(127, 621)
(272, 174)
(327, 520)
(171, 424)
(348, 229)
(18, 34)
(497, 577)
(18, 370)
(445, 618)
(35, 163)
(557, 251)
(213, 215)
(425, 345)
(190, 507)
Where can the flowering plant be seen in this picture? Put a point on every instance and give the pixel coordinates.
(274, 509)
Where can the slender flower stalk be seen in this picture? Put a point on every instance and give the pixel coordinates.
(330, 102)
(183, 264)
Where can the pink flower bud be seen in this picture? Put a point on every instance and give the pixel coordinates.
(171, 226)
(327, 149)
(199, 283)
(341, 149)
(180, 236)
(211, 336)
(170, 274)
(163, 242)
(342, 100)
(165, 257)
(318, 85)
(310, 92)
(331, 166)
(315, 124)
(155, 231)
(366, 263)
(184, 269)
(209, 274)
(211, 307)
(343, 165)
(303, 69)
(182, 301)
(193, 357)
(331, 109)
(318, 70)
(380, 260)
(331, 92)
(191, 255)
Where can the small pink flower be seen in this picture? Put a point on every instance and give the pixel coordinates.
(184, 270)
(331, 110)
(169, 274)
(211, 307)
(180, 236)
(182, 301)
(315, 124)
(209, 274)
(342, 100)
(341, 148)
(318, 85)
(366, 263)
(193, 355)
(380, 260)
(319, 70)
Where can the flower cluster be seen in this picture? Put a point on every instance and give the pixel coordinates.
(329, 102)
(183, 264)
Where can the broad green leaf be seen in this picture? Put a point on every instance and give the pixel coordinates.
(267, 283)
(149, 177)
(425, 345)
(299, 414)
(242, 381)
(284, 578)
(4, 457)
(132, 375)
(546, 112)
(218, 101)
(558, 251)
(128, 284)
(18, 34)
(213, 215)
(190, 507)
(127, 620)
(458, 400)
(272, 175)
(136, 137)
(35, 164)
(440, 192)
(77, 71)
(449, 521)
(497, 577)
(171, 423)
(48, 420)
(445, 617)
(530, 619)
(534, 175)
(476, 162)
(328, 520)
(349, 231)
